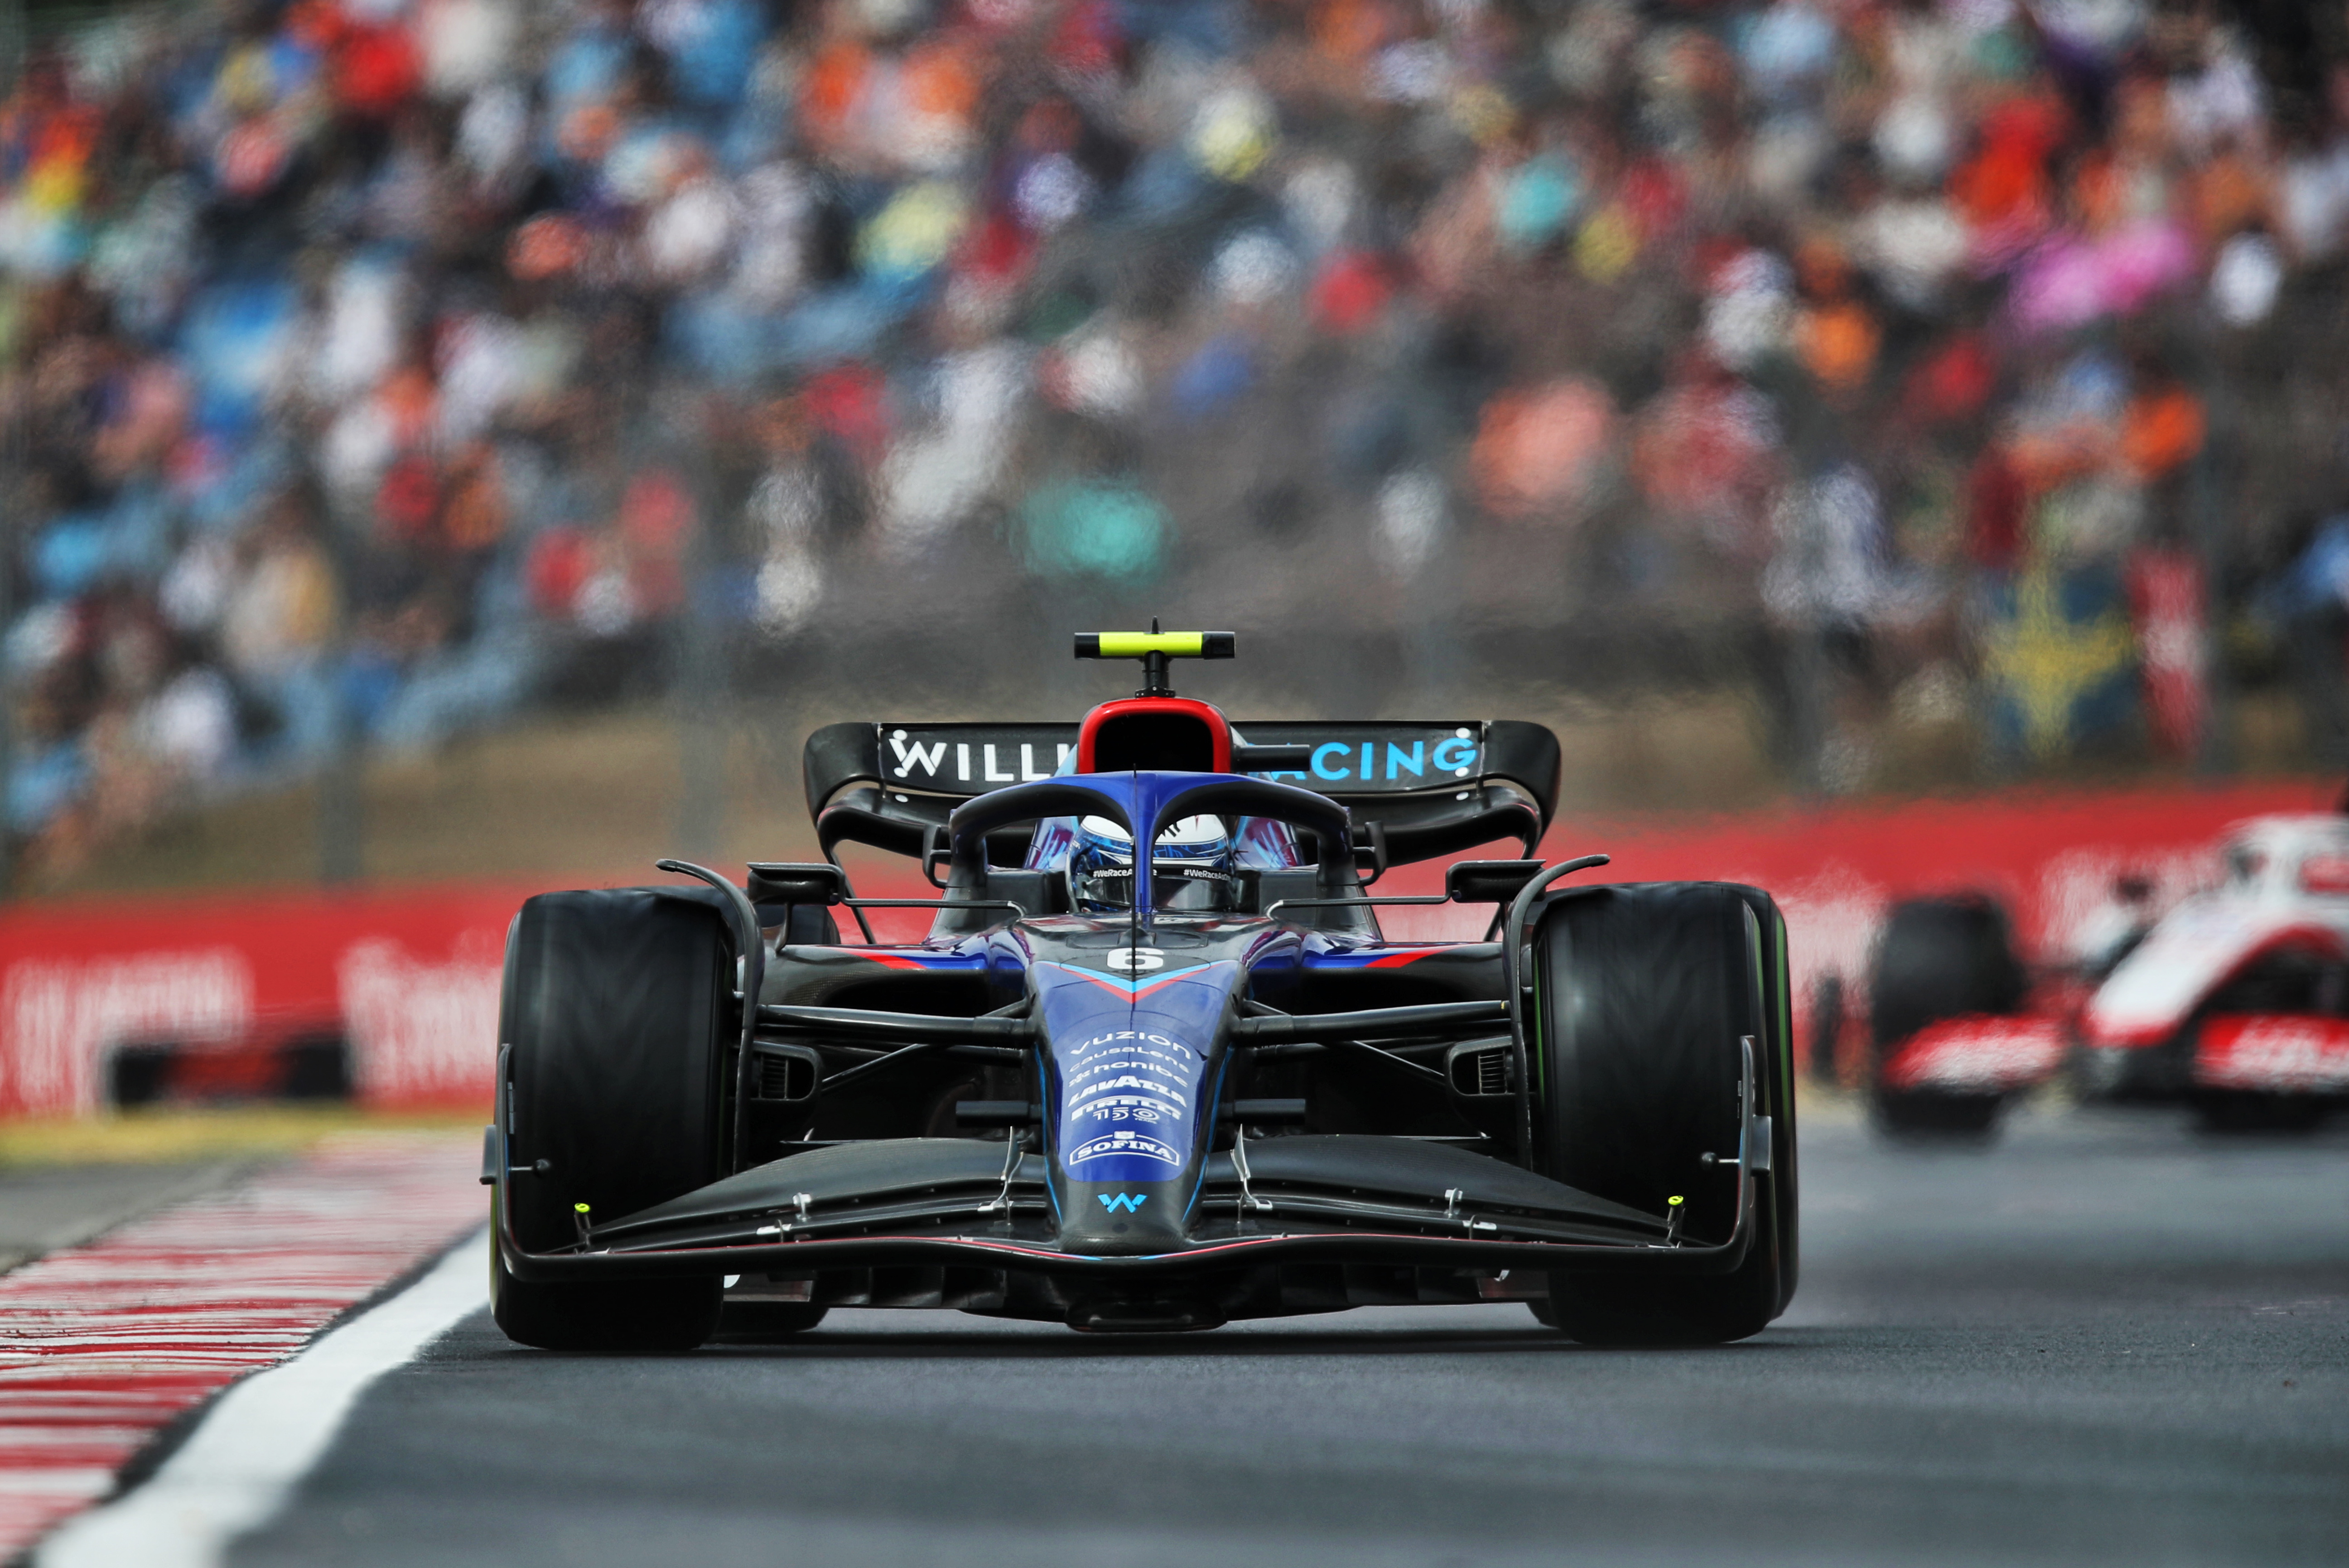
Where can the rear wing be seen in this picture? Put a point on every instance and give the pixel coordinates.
(1435, 788)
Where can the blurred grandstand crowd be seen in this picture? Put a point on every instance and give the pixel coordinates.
(375, 366)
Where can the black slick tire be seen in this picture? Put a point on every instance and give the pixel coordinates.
(2229, 1113)
(1924, 1115)
(1939, 958)
(1643, 995)
(613, 1005)
(638, 1317)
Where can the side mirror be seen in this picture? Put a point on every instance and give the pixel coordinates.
(1488, 881)
(774, 882)
(936, 849)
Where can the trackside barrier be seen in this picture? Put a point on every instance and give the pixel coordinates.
(409, 977)
(2050, 856)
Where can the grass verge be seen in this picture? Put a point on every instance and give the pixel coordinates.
(163, 1136)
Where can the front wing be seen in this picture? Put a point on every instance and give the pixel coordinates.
(1304, 1201)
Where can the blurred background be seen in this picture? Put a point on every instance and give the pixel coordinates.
(453, 447)
(464, 437)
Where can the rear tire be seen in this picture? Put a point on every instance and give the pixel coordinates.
(2237, 1112)
(1923, 1114)
(1939, 958)
(1642, 993)
(613, 1005)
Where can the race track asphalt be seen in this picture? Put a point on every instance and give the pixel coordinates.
(2103, 1339)
(45, 1208)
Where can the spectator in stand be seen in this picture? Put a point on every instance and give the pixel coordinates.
(394, 358)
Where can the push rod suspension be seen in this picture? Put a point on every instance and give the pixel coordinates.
(858, 1023)
(1379, 1023)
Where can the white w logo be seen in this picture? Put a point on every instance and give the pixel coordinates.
(930, 756)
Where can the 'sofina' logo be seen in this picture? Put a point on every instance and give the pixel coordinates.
(1131, 1202)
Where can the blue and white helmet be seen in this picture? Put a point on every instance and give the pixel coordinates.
(1190, 869)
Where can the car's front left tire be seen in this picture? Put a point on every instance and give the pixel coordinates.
(1643, 996)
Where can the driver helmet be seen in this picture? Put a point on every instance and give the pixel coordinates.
(1190, 869)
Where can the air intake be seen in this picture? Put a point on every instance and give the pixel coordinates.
(784, 1072)
(1482, 1069)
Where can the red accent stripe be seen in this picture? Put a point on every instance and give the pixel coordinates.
(1158, 985)
(1396, 960)
(1117, 991)
(105, 1343)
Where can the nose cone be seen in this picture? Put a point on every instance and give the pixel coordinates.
(1123, 1220)
(1133, 1068)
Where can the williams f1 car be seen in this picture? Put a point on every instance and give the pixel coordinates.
(1155, 1067)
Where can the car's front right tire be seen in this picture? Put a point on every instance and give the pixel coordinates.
(629, 1316)
(613, 1006)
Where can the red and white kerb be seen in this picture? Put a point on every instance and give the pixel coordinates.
(102, 1345)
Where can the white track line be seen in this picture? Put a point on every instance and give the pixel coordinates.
(237, 1469)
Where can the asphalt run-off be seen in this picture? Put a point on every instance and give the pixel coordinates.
(2102, 1338)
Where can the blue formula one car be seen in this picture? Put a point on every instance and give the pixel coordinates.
(1155, 1067)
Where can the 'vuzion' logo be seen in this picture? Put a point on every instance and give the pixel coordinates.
(1131, 1202)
